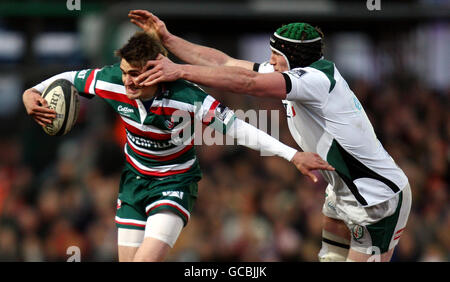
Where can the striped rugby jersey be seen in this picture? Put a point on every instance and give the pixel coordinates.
(158, 140)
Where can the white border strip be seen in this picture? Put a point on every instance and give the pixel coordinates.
(126, 220)
(149, 207)
(108, 86)
(145, 127)
(163, 168)
(297, 41)
(182, 106)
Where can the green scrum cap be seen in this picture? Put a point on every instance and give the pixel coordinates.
(291, 36)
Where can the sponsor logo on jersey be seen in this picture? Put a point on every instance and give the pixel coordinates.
(177, 194)
(82, 74)
(149, 143)
(124, 110)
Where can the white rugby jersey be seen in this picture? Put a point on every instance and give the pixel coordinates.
(324, 116)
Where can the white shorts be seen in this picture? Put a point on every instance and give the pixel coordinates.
(373, 229)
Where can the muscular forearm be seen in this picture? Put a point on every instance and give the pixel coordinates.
(236, 80)
(193, 53)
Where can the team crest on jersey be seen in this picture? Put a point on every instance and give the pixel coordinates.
(223, 113)
(357, 232)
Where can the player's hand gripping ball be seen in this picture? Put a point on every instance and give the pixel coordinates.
(62, 96)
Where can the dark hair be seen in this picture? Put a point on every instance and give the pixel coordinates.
(140, 48)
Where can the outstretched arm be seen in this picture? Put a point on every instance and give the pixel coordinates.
(232, 79)
(250, 136)
(186, 51)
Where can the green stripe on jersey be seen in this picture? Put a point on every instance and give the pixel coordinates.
(111, 74)
(327, 68)
(382, 231)
(349, 169)
(81, 78)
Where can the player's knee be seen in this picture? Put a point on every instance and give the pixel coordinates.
(334, 248)
(336, 255)
(152, 250)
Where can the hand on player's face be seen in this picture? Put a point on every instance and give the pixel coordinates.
(159, 70)
(149, 23)
(306, 162)
(132, 88)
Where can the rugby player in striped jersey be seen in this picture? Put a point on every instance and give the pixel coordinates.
(368, 199)
(158, 186)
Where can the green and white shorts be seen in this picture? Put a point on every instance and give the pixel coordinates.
(374, 229)
(140, 197)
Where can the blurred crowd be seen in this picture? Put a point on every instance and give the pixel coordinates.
(58, 192)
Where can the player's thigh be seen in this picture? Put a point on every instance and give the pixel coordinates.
(335, 234)
(126, 254)
(331, 220)
(376, 242)
(152, 250)
(355, 256)
(336, 227)
(129, 241)
(161, 232)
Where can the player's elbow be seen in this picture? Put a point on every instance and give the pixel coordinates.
(256, 86)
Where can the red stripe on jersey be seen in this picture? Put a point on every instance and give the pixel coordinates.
(210, 115)
(162, 158)
(399, 233)
(130, 223)
(155, 173)
(89, 81)
(115, 96)
(186, 216)
(400, 230)
(148, 134)
(167, 111)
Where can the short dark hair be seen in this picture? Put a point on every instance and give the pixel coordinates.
(140, 48)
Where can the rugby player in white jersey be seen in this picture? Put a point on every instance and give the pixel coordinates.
(158, 186)
(368, 199)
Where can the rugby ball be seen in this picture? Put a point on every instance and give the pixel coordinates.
(62, 96)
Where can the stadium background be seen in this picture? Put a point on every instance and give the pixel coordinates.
(57, 192)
